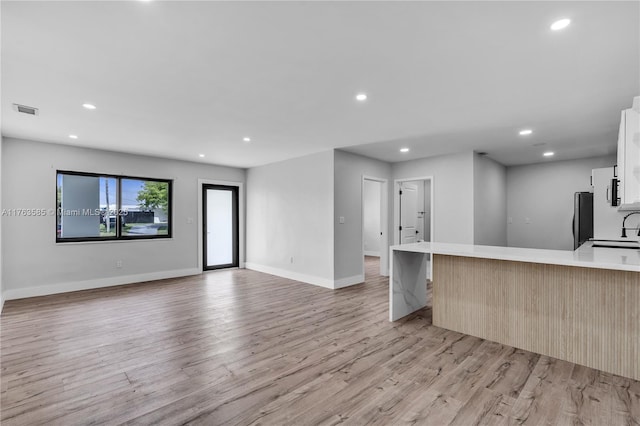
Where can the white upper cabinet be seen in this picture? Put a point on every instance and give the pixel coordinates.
(629, 157)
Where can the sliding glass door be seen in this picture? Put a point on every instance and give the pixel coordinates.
(220, 226)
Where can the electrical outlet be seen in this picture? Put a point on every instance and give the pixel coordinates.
(189, 220)
(118, 263)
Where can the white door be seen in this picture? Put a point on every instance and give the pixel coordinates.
(408, 213)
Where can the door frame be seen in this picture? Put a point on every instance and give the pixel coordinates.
(384, 223)
(235, 218)
(241, 220)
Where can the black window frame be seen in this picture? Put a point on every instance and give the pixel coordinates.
(235, 218)
(118, 236)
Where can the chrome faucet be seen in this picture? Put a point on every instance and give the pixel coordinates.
(624, 230)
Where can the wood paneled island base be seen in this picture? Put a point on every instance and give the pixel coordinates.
(583, 315)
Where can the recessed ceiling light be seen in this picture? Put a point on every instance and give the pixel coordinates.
(404, 149)
(548, 154)
(525, 132)
(89, 106)
(201, 155)
(361, 97)
(560, 24)
(246, 139)
(73, 136)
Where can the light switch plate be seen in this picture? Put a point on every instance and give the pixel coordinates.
(341, 219)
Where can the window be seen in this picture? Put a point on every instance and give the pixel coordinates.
(94, 207)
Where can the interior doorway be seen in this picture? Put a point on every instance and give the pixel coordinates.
(220, 227)
(413, 211)
(372, 225)
(375, 222)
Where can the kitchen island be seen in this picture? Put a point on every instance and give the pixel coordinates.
(581, 306)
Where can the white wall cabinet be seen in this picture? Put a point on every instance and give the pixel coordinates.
(629, 157)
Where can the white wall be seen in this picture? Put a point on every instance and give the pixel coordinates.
(607, 219)
(1, 143)
(490, 202)
(36, 264)
(349, 256)
(1, 241)
(543, 193)
(452, 188)
(289, 215)
(371, 217)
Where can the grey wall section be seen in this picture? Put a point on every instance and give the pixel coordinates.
(349, 170)
(371, 217)
(36, 264)
(489, 202)
(289, 215)
(543, 193)
(427, 210)
(452, 188)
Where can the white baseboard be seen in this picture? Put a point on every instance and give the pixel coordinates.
(309, 279)
(1, 301)
(45, 290)
(349, 281)
(372, 253)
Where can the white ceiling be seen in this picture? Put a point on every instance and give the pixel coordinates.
(175, 79)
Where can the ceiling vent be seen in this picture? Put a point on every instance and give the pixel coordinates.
(25, 109)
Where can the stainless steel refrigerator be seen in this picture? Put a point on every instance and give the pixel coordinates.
(582, 218)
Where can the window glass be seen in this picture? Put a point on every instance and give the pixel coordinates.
(95, 207)
(145, 204)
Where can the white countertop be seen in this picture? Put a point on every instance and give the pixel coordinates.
(586, 256)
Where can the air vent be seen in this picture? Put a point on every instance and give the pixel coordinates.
(25, 109)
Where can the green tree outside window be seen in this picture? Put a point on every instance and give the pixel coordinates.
(154, 195)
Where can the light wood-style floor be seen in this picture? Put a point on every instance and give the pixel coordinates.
(241, 347)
